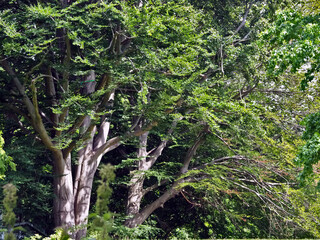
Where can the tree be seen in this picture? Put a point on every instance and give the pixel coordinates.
(61, 68)
(295, 39)
(88, 76)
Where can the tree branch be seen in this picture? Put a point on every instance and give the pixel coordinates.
(51, 92)
(155, 186)
(65, 75)
(220, 160)
(244, 19)
(192, 150)
(31, 107)
(156, 153)
(104, 128)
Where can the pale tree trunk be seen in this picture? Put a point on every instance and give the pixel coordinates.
(140, 217)
(145, 162)
(135, 193)
(88, 162)
(63, 189)
(137, 216)
(83, 194)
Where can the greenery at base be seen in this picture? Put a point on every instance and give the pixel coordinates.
(9, 217)
(101, 221)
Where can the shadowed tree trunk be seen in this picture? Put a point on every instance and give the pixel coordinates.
(145, 162)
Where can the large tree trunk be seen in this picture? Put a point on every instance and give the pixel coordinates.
(88, 162)
(135, 194)
(136, 189)
(82, 196)
(63, 190)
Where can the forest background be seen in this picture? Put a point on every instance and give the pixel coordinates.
(207, 111)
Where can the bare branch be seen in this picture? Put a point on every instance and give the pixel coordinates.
(194, 204)
(155, 186)
(51, 92)
(220, 160)
(244, 19)
(156, 152)
(104, 128)
(261, 196)
(108, 146)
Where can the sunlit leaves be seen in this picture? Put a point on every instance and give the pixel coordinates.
(295, 39)
(5, 160)
(309, 154)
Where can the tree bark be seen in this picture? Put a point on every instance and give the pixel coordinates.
(63, 189)
(83, 194)
(139, 218)
(136, 190)
(135, 193)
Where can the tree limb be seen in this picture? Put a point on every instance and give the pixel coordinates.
(244, 19)
(192, 150)
(31, 107)
(155, 186)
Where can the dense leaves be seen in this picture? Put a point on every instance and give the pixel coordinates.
(5, 160)
(297, 38)
(184, 93)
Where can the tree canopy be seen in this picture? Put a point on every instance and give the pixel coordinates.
(191, 101)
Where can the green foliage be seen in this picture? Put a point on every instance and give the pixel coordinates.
(309, 154)
(185, 62)
(33, 178)
(147, 230)
(60, 234)
(295, 40)
(306, 204)
(181, 233)
(101, 224)
(9, 203)
(5, 160)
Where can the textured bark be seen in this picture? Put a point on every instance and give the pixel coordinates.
(136, 190)
(83, 194)
(63, 190)
(135, 193)
(89, 161)
(139, 218)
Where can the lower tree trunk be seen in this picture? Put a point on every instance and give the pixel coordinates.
(63, 206)
(140, 217)
(135, 194)
(71, 203)
(82, 196)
